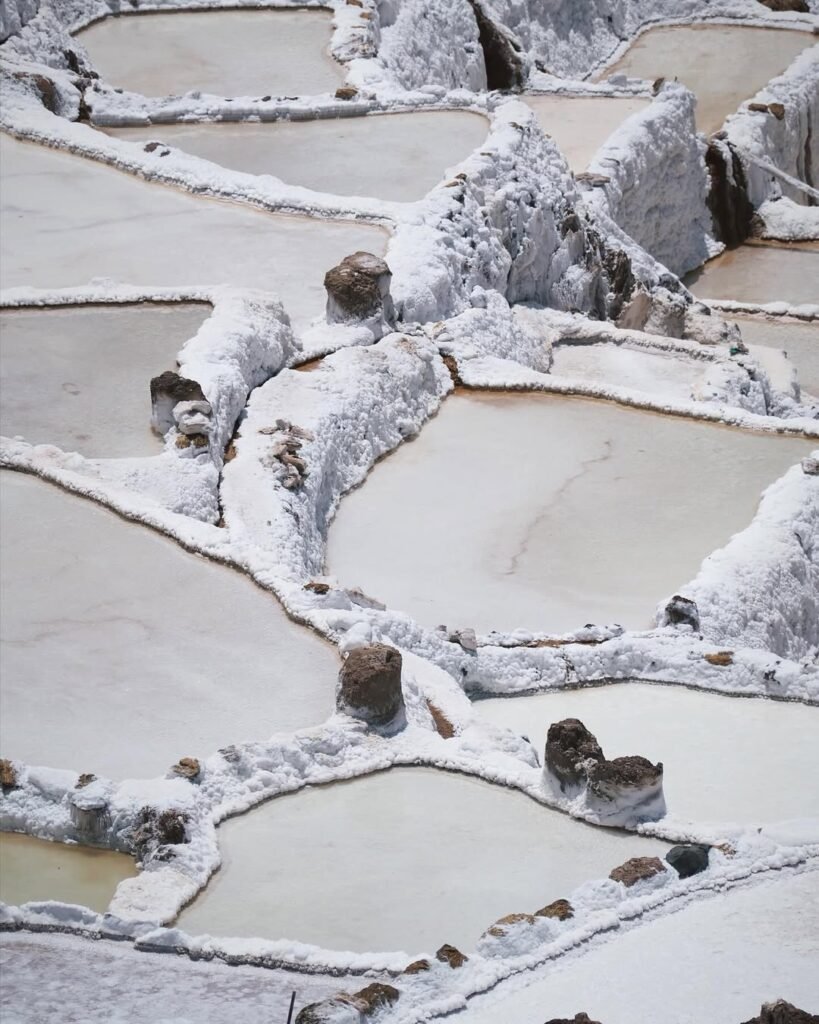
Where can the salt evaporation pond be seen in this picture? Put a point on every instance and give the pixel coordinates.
(799, 340)
(226, 53)
(35, 869)
(397, 157)
(51, 386)
(722, 64)
(122, 653)
(761, 273)
(66, 220)
(657, 374)
(403, 860)
(717, 960)
(725, 760)
(494, 516)
(581, 124)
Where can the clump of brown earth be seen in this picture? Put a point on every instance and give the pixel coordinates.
(369, 685)
(781, 1012)
(638, 869)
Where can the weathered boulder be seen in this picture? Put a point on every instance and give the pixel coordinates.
(638, 869)
(810, 466)
(688, 859)
(369, 685)
(561, 910)
(570, 749)
(450, 955)
(167, 391)
(681, 611)
(338, 1010)
(781, 1012)
(731, 209)
(358, 289)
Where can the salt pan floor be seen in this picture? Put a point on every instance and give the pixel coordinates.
(122, 653)
(66, 220)
(722, 64)
(580, 124)
(51, 386)
(760, 273)
(492, 517)
(716, 961)
(34, 869)
(658, 375)
(725, 760)
(226, 53)
(799, 341)
(403, 860)
(397, 157)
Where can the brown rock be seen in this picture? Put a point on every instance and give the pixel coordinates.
(632, 772)
(369, 684)
(8, 775)
(562, 910)
(187, 767)
(638, 869)
(759, 108)
(376, 996)
(417, 967)
(781, 1012)
(451, 364)
(504, 68)
(346, 92)
(84, 780)
(154, 831)
(443, 726)
(358, 288)
(503, 924)
(317, 588)
(570, 748)
(778, 111)
(720, 658)
(450, 955)
(579, 1018)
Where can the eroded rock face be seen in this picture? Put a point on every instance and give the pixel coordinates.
(688, 859)
(167, 391)
(570, 748)
(638, 869)
(358, 289)
(781, 1012)
(369, 685)
(450, 955)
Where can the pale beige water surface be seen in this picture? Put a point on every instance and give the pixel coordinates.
(66, 220)
(722, 64)
(760, 273)
(799, 340)
(35, 869)
(227, 53)
(398, 157)
(403, 860)
(746, 761)
(581, 124)
(78, 376)
(656, 374)
(547, 513)
(122, 653)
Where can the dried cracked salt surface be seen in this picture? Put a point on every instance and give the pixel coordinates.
(77, 376)
(497, 506)
(122, 653)
(227, 53)
(355, 848)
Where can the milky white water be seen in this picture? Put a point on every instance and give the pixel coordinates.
(580, 124)
(227, 53)
(722, 64)
(760, 273)
(52, 390)
(547, 513)
(799, 340)
(713, 962)
(403, 860)
(122, 653)
(35, 869)
(397, 157)
(66, 220)
(726, 760)
(656, 374)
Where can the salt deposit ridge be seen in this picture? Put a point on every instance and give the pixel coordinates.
(388, 691)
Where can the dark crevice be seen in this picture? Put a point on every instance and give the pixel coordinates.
(504, 69)
(728, 200)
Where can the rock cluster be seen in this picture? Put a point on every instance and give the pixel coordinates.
(285, 453)
(369, 685)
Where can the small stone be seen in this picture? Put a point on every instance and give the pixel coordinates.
(376, 996)
(638, 869)
(562, 910)
(570, 747)
(720, 658)
(417, 967)
(781, 1012)
(778, 111)
(317, 588)
(8, 775)
(187, 767)
(579, 1018)
(591, 179)
(450, 955)
(443, 726)
(85, 780)
(503, 924)
(759, 108)
(465, 638)
(369, 684)
(801, 6)
(682, 611)
(688, 859)
(631, 772)
(346, 92)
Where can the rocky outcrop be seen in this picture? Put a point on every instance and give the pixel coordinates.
(681, 611)
(781, 1012)
(688, 859)
(358, 290)
(369, 685)
(638, 869)
(168, 390)
(570, 750)
(504, 69)
(450, 955)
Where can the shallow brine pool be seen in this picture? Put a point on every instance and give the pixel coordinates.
(724, 65)
(227, 53)
(658, 375)
(725, 760)
(760, 273)
(35, 869)
(403, 860)
(122, 653)
(800, 341)
(581, 124)
(78, 376)
(67, 220)
(397, 157)
(547, 513)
